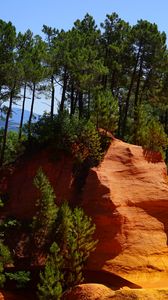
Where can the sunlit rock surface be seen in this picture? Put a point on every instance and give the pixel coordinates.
(101, 292)
(88, 291)
(127, 197)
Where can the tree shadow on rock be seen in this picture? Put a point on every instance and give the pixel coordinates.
(152, 156)
(97, 202)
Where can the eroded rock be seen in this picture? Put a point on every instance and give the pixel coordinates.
(127, 197)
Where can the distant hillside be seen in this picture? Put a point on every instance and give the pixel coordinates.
(15, 119)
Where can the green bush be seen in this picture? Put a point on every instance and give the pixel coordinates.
(21, 278)
(150, 132)
(76, 136)
(5, 258)
(14, 147)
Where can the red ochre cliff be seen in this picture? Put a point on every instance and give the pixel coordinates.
(127, 197)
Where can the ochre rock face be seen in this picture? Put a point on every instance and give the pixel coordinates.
(19, 187)
(88, 292)
(101, 292)
(127, 197)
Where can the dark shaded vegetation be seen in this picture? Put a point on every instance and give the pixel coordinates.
(62, 236)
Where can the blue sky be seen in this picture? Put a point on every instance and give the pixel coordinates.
(33, 14)
(61, 14)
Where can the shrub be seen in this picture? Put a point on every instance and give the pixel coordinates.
(150, 132)
(76, 136)
(21, 278)
(5, 258)
(14, 147)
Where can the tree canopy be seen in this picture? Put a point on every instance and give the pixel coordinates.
(107, 74)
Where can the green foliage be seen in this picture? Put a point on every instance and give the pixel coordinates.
(155, 137)
(65, 263)
(21, 278)
(87, 144)
(77, 136)
(74, 235)
(9, 223)
(150, 132)
(81, 244)
(83, 233)
(46, 210)
(1, 203)
(2, 275)
(105, 110)
(50, 286)
(5, 255)
(64, 226)
(5, 258)
(105, 74)
(14, 148)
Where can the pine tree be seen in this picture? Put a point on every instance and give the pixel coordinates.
(37, 72)
(50, 286)
(105, 110)
(24, 48)
(46, 210)
(75, 239)
(51, 60)
(83, 234)
(11, 74)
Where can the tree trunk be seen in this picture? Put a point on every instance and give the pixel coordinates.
(75, 103)
(120, 117)
(113, 82)
(63, 91)
(105, 76)
(138, 84)
(80, 101)
(31, 111)
(166, 121)
(52, 97)
(136, 102)
(146, 86)
(129, 93)
(89, 100)
(72, 101)
(6, 127)
(22, 114)
(166, 130)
